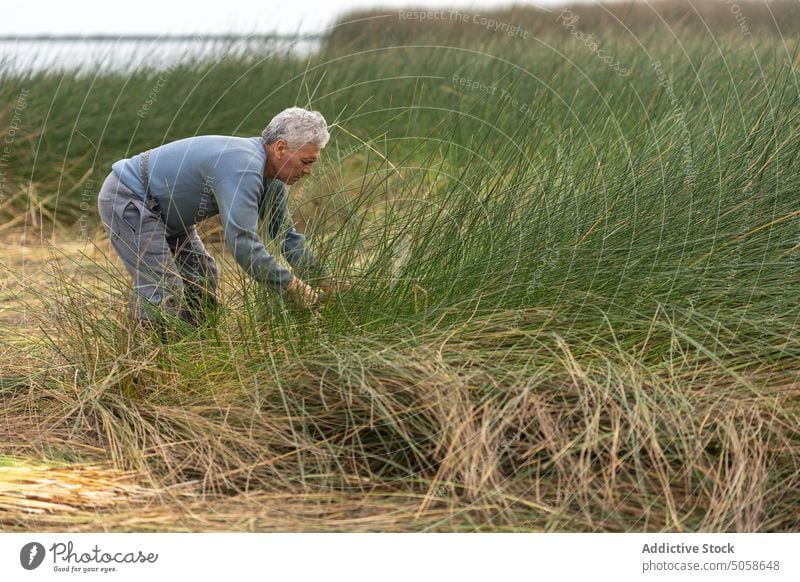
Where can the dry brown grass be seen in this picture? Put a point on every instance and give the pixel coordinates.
(628, 22)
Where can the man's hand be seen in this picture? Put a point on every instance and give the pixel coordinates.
(329, 286)
(301, 294)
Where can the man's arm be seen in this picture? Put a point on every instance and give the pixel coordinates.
(294, 246)
(238, 197)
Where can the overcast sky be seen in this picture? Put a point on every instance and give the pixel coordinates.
(25, 17)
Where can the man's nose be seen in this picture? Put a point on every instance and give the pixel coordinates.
(307, 170)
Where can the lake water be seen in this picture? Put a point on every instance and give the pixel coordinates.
(125, 54)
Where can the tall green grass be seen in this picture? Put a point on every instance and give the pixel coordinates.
(574, 297)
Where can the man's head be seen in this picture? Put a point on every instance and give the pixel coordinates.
(293, 140)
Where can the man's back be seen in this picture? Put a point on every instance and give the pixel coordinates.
(188, 176)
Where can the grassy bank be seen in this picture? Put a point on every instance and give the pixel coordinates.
(574, 305)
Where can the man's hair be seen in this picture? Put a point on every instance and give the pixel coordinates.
(297, 126)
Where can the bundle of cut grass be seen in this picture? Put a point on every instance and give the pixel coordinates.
(36, 488)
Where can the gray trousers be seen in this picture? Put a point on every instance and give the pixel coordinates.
(172, 275)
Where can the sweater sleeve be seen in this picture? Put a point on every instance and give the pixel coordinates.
(238, 197)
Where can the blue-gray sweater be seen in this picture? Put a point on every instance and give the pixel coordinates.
(198, 177)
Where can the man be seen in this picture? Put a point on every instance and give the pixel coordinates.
(150, 204)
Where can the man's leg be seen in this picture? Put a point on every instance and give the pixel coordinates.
(199, 272)
(138, 235)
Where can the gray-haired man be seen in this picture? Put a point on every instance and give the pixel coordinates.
(150, 204)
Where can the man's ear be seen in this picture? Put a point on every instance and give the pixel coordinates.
(281, 147)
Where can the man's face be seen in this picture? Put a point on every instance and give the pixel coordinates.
(291, 166)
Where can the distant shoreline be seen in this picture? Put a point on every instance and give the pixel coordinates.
(23, 54)
(159, 37)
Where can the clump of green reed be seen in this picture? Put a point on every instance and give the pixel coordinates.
(512, 413)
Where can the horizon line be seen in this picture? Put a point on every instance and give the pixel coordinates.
(152, 36)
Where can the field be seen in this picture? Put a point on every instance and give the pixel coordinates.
(573, 244)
